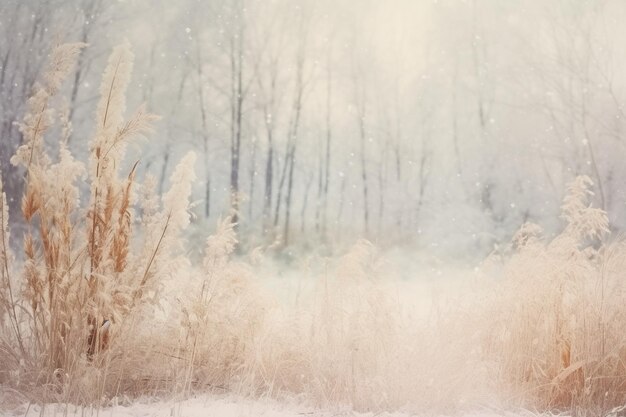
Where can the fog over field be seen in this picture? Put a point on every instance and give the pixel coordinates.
(312, 206)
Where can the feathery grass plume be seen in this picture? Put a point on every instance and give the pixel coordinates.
(154, 263)
(162, 230)
(583, 221)
(222, 318)
(149, 200)
(62, 60)
(106, 154)
(528, 235)
(41, 198)
(555, 331)
(176, 199)
(39, 116)
(78, 277)
(110, 217)
(115, 80)
(220, 245)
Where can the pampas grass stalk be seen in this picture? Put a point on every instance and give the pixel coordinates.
(80, 286)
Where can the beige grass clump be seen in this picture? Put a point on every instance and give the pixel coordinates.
(367, 349)
(220, 319)
(558, 336)
(347, 343)
(68, 312)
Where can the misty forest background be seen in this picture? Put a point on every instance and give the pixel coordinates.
(437, 124)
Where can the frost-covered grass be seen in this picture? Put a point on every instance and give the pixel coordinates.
(107, 305)
(217, 405)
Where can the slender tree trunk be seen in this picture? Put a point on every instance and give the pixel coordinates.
(269, 93)
(269, 161)
(288, 197)
(455, 123)
(291, 161)
(320, 191)
(363, 138)
(283, 175)
(77, 78)
(168, 140)
(342, 200)
(382, 187)
(252, 173)
(237, 103)
(328, 143)
(592, 156)
(269, 179)
(292, 154)
(164, 166)
(305, 202)
(487, 183)
(204, 127)
(423, 178)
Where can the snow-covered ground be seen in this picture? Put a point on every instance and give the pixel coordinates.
(211, 406)
(415, 278)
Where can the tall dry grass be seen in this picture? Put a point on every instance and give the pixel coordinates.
(543, 332)
(91, 265)
(558, 340)
(349, 342)
(106, 306)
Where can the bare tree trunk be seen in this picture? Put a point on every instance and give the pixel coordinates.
(204, 131)
(455, 122)
(342, 200)
(382, 187)
(267, 83)
(283, 175)
(3, 67)
(305, 202)
(164, 166)
(77, 80)
(168, 140)
(289, 194)
(320, 190)
(423, 179)
(269, 179)
(237, 109)
(487, 183)
(269, 161)
(329, 79)
(252, 173)
(297, 108)
(592, 157)
(91, 11)
(363, 138)
(291, 161)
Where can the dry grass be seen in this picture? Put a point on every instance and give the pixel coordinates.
(65, 309)
(348, 342)
(105, 305)
(558, 341)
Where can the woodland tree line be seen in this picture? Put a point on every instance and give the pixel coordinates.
(446, 123)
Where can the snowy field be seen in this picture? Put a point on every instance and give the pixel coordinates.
(421, 285)
(214, 406)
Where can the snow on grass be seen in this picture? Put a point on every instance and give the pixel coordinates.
(212, 406)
